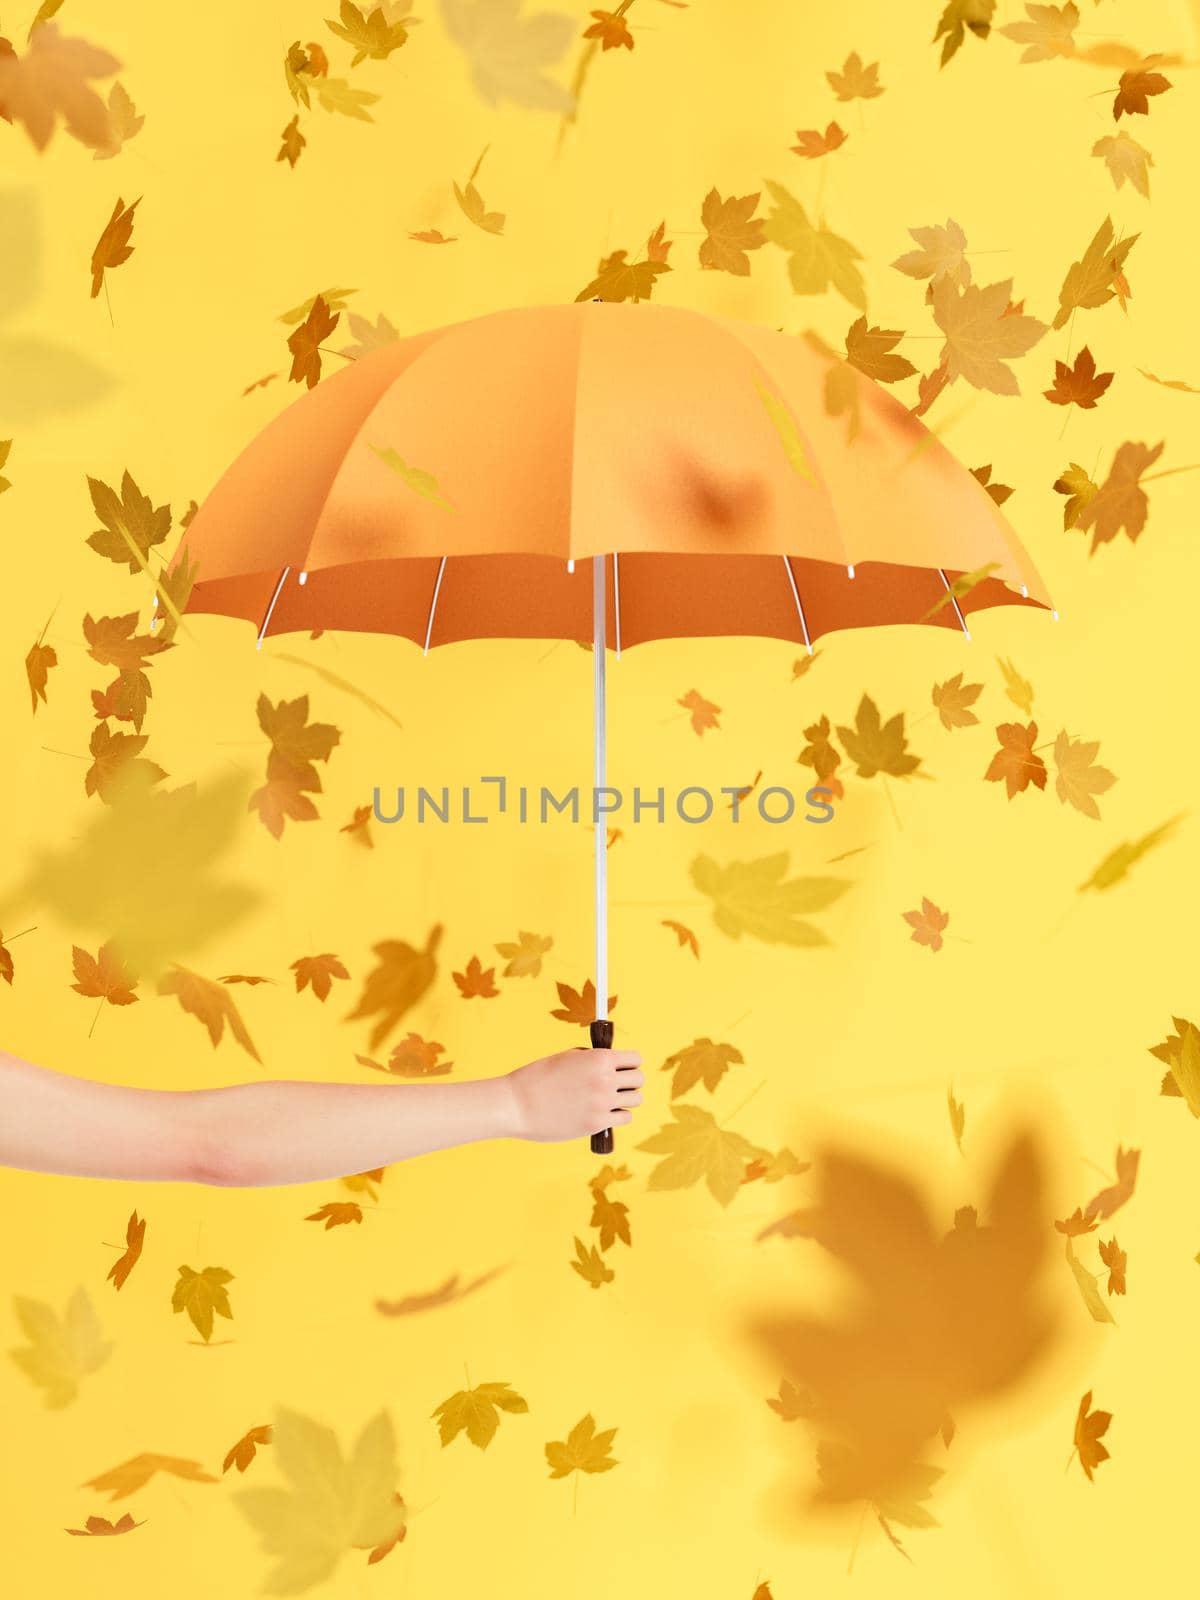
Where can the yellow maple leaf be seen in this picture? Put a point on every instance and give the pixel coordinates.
(1078, 779)
(618, 279)
(953, 700)
(201, 1294)
(524, 958)
(397, 982)
(817, 258)
(135, 1473)
(1125, 159)
(1093, 279)
(702, 1060)
(981, 334)
(476, 1412)
(61, 1350)
(958, 1117)
(583, 1450)
(123, 123)
(730, 230)
(332, 1504)
(755, 897)
(373, 36)
(113, 246)
(1117, 863)
(424, 483)
(855, 81)
(878, 746)
(942, 254)
(1018, 689)
(1089, 1426)
(696, 1148)
(591, 1265)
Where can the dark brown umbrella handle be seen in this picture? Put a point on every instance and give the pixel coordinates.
(602, 1038)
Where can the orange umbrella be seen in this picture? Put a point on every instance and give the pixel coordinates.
(444, 487)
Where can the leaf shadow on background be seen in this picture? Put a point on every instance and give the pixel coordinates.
(39, 377)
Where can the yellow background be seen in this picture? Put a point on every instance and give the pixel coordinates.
(1040, 997)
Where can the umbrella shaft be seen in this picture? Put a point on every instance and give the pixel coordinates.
(599, 649)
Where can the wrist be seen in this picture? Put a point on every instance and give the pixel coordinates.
(503, 1112)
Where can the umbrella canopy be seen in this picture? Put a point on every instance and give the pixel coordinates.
(444, 487)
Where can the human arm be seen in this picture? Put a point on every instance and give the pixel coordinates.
(282, 1131)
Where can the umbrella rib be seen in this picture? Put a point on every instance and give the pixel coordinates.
(954, 603)
(796, 597)
(262, 632)
(617, 605)
(433, 603)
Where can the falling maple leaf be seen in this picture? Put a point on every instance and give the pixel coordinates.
(695, 1147)
(295, 745)
(1090, 1426)
(609, 1216)
(333, 1503)
(959, 17)
(942, 255)
(1185, 1038)
(104, 976)
(579, 1005)
(583, 1450)
(433, 236)
(136, 1472)
(117, 760)
(870, 350)
(100, 1526)
(471, 203)
(476, 1412)
(1092, 280)
(7, 970)
(336, 1214)
(687, 939)
(700, 1061)
(1076, 1224)
(958, 1118)
(1120, 502)
(132, 524)
(819, 753)
(201, 1294)
(878, 746)
(611, 29)
(305, 342)
(703, 712)
(814, 143)
(38, 663)
(966, 581)
(424, 483)
(397, 982)
(447, 1293)
(1016, 761)
(210, 1003)
(508, 52)
(1112, 1198)
(524, 958)
(591, 1265)
(50, 82)
(1114, 1258)
(113, 247)
(1078, 779)
(474, 983)
(372, 35)
(289, 150)
(123, 122)
(1132, 91)
(756, 898)
(319, 973)
(1049, 33)
(855, 81)
(135, 1233)
(245, 1450)
(953, 700)
(618, 279)
(1117, 863)
(730, 230)
(928, 924)
(61, 1350)
(1080, 384)
(980, 334)
(359, 826)
(1167, 383)
(1125, 159)
(413, 1057)
(1018, 689)
(1075, 483)
(817, 258)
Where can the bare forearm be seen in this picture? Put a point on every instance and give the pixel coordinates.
(290, 1131)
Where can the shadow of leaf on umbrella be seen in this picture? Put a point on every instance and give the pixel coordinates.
(39, 377)
(936, 1322)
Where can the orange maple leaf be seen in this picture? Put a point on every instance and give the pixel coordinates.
(927, 924)
(611, 29)
(117, 758)
(1076, 1224)
(244, 1451)
(1016, 761)
(814, 143)
(304, 342)
(731, 229)
(210, 1003)
(703, 712)
(135, 1232)
(1114, 1258)
(1120, 502)
(336, 1213)
(579, 1005)
(474, 982)
(113, 245)
(687, 939)
(358, 828)
(413, 1057)
(98, 1526)
(319, 971)
(433, 236)
(1112, 1198)
(1089, 1426)
(1079, 385)
(38, 662)
(50, 81)
(1135, 85)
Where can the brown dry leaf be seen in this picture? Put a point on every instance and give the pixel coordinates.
(201, 1294)
(814, 143)
(113, 246)
(1077, 778)
(936, 1324)
(293, 143)
(878, 746)
(1103, 1204)
(295, 745)
(856, 81)
(319, 973)
(1090, 1426)
(610, 1217)
(241, 1454)
(135, 1233)
(1120, 502)
(928, 924)
(397, 982)
(618, 279)
(38, 663)
(819, 753)
(579, 1005)
(701, 1061)
(113, 643)
(358, 827)
(1133, 90)
(476, 1412)
(1079, 385)
(1016, 761)
(1114, 1258)
(791, 1403)
(959, 18)
(703, 712)
(611, 29)
(209, 1002)
(50, 82)
(7, 969)
(101, 1525)
(870, 350)
(136, 1472)
(524, 958)
(591, 1265)
(954, 699)
(305, 341)
(476, 983)
(583, 1450)
(687, 939)
(336, 1213)
(413, 1057)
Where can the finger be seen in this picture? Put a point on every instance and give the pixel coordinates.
(621, 1058)
(631, 1097)
(630, 1078)
(621, 1116)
